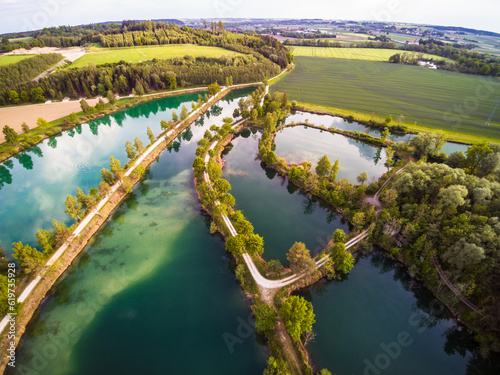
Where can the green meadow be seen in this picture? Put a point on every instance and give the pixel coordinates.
(457, 103)
(370, 54)
(137, 54)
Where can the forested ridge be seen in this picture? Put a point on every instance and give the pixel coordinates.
(263, 58)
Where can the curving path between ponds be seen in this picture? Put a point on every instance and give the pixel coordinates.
(259, 279)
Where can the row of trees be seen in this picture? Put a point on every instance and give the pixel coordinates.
(25, 70)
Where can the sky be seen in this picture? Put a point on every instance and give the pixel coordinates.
(23, 15)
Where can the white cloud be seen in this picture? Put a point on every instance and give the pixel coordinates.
(481, 14)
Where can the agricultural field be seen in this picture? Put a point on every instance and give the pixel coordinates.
(370, 54)
(11, 59)
(457, 103)
(137, 54)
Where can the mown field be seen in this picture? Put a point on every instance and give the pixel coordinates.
(457, 103)
(11, 59)
(137, 54)
(371, 54)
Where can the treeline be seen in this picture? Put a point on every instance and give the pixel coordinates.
(148, 76)
(297, 34)
(62, 36)
(465, 61)
(25, 70)
(448, 213)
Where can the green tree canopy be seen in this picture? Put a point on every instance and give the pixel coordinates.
(323, 169)
(300, 259)
(298, 316)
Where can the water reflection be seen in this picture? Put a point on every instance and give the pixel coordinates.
(33, 189)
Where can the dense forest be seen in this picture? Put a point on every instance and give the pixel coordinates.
(25, 70)
(446, 215)
(263, 58)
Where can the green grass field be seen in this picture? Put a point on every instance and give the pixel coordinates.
(11, 59)
(137, 54)
(457, 103)
(371, 54)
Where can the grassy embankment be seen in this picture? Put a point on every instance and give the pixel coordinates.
(137, 54)
(421, 99)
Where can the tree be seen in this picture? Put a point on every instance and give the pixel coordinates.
(138, 145)
(358, 220)
(342, 259)
(388, 197)
(37, 95)
(475, 155)
(151, 136)
(175, 118)
(428, 144)
(30, 259)
(85, 106)
(104, 187)
(362, 178)
(45, 240)
(254, 114)
(111, 97)
(131, 154)
(265, 317)
(453, 196)
(236, 245)
(139, 89)
(300, 259)
(385, 134)
(388, 120)
(115, 166)
(107, 176)
(74, 208)
(463, 254)
(298, 316)
(255, 244)
(222, 186)
(339, 236)
(184, 112)
(213, 89)
(389, 153)
(9, 134)
(271, 158)
(198, 166)
(324, 166)
(25, 127)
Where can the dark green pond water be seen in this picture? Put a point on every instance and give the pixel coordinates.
(154, 293)
(273, 206)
